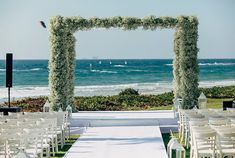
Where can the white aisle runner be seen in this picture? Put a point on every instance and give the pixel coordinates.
(119, 142)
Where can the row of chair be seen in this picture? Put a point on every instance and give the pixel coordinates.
(34, 133)
(194, 128)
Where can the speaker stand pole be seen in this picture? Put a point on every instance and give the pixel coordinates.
(9, 95)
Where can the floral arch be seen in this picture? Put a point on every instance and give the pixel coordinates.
(62, 57)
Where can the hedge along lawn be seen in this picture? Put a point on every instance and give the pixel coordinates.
(212, 103)
(67, 146)
(216, 96)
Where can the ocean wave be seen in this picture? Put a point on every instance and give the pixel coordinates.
(23, 70)
(104, 71)
(89, 90)
(216, 64)
(168, 64)
(209, 64)
(137, 70)
(36, 69)
(119, 65)
(104, 90)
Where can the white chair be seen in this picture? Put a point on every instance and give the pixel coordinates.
(189, 116)
(176, 106)
(33, 142)
(61, 116)
(12, 142)
(59, 128)
(193, 124)
(67, 124)
(3, 148)
(195, 129)
(217, 122)
(50, 126)
(226, 142)
(204, 144)
(182, 122)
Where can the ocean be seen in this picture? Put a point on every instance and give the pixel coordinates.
(109, 77)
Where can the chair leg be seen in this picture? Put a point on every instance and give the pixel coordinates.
(53, 147)
(191, 151)
(182, 135)
(186, 137)
(41, 154)
(56, 144)
(48, 152)
(179, 131)
(61, 140)
(69, 132)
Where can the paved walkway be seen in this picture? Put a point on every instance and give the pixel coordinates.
(119, 142)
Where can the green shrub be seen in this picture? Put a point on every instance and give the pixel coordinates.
(129, 91)
(219, 92)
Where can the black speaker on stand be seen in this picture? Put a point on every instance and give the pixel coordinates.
(9, 66)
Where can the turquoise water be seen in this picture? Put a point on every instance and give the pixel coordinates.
(99, 74)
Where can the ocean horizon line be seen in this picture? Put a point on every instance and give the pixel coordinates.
(124, 59)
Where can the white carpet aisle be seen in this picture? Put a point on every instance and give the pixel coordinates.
(119, 142)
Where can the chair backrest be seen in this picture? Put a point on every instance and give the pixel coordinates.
(218, 121)
(13, 142)
(198, 123)
(197, 129)
(205, 139)
(226, 138)
(61, 118)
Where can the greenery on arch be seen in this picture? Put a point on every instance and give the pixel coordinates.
(62, 59)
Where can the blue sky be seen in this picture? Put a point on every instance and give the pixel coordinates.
(21, 34)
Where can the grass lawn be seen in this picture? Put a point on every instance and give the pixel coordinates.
(68, 144)
(213, 103)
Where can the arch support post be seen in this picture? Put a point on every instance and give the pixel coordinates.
(188, 28)
(176, 65)
(57, 64)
